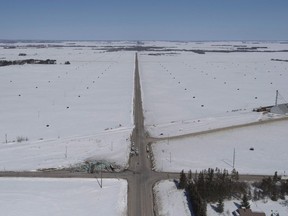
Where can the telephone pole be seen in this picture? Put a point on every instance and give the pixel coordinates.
(234, 158)
(276, 101)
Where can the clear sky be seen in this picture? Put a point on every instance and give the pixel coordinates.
(144, 20)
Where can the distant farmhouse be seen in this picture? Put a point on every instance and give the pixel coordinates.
(281, 109)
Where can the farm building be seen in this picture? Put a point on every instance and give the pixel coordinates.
(248, 212)
(281, 109)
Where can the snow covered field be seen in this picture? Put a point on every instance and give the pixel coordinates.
(110, 146)
(183, 89)
(84, 107)
(185, 92)
(62, 197)
(170, 201)
(269, 153)
(62, 115)
(220, 45)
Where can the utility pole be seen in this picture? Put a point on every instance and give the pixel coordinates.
(234, 158)
(112, 146)
(101, 176)
(6, 138)
(276, 101)
(65, 151)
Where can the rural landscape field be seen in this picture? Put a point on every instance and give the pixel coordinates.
(113, 117)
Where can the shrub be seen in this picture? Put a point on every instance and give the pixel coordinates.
(21, 139)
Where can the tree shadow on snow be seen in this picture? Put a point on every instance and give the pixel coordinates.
(99, 182)
(237, 205)
(176, 183)
(214, 207)
(189, 203)
(187, 198)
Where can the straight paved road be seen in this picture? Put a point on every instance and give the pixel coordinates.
(140, 196)
(140, 177)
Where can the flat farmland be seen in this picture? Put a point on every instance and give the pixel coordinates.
(186, 92)
(65, 197)
(59, 115)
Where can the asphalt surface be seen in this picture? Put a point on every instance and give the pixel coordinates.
(140, 195)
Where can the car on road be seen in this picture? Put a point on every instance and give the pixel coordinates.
(147, 149)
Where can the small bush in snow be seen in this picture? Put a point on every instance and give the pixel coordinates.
(21, 139)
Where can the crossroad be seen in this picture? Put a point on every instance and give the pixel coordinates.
(140, 176)
(140, 194)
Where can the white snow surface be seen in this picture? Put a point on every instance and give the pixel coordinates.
(62, 197)
(269, 154)
(110, 146)
(185, 92)
(83, 111)
(169, 200)
(184, 127)
(184, 89)
(84, 107)
(220, 45)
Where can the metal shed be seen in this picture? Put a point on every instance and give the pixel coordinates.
(281, 109)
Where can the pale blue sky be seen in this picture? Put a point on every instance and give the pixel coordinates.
(144, 20)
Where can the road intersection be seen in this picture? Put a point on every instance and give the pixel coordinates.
(140, 176)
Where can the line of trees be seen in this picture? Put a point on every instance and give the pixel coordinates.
(211, 186)
(198, 203)
(218, 184)
(215, 185)
(272, 187)
(26, 61)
